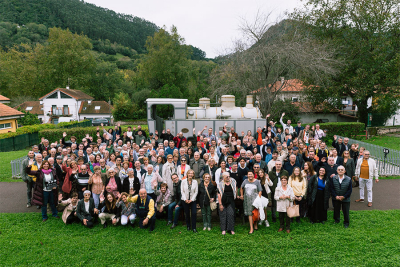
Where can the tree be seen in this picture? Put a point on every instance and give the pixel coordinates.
(123, 107)
(366, 36)
(166, 62)
(28, 119)
(264, 55)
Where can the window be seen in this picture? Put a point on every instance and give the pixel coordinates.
(66, 110)
(97, 107)
(63, 95)
(55, 95)
(28, 108)
(54, 109)
(5, 126)
(295, 99)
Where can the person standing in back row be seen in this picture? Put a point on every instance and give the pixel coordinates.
(366, 171)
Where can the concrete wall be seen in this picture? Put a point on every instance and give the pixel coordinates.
(332, 117)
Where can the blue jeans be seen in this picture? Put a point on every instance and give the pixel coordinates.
(96, 198)
(171, 208)
(48, 197)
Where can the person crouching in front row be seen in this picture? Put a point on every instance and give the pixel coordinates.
(145, 209)
(86, 211)
(109, 210)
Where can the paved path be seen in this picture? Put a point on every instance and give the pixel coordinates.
(386, 197)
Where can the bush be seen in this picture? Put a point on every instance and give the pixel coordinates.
(80, 132)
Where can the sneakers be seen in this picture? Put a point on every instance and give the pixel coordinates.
(266, 223)
(205, 228)
(369, 204)
(259, 222)
(360, 200)
(209, 228)
(28, 205)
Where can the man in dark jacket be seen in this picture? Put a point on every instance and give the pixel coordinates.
(291, 164)
(176, 201)
(341, 188)
(275, 176)
(166, 135)
(338, 144)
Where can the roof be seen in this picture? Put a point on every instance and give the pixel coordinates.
(306, 107)
(292, 85)
(78, 95)
(37, 108)
(3, 98)
(6, 111)
(102, 107)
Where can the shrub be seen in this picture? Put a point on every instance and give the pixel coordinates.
(79, 132)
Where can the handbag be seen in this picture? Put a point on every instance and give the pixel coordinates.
(256, 215)
(293, 211)
(213, 205)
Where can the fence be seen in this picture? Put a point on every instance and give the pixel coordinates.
(16, 167)
(386, 166)
(26, 140)
(19, 142)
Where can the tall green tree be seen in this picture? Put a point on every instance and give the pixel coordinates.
(166, 62)
(366, 34)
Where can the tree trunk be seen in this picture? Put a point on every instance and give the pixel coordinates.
(362, 112)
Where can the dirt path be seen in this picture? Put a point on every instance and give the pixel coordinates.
(386, 197)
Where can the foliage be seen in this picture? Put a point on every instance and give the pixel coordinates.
(284, 106)
(29, 118)
(265, 53)
(307, 245)
(346, 129)
(391, 142)
(366, 36)
(81, 17)
(123, 107)
(54, 135)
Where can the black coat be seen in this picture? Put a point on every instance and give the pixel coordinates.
(81, 212)
(37, 197)
(312, 191)
(115, 210)
(126, 185)
(202, 197)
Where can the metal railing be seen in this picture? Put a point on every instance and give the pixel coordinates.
(16, 167)
(387, 165)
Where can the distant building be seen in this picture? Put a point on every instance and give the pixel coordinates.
(63, 104)
(9, 118)
(4, 100)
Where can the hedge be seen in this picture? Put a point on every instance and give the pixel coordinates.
(80, 132)
(39, 127)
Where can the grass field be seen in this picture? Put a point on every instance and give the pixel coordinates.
(385, 141)
(5, 166)
(373, 239)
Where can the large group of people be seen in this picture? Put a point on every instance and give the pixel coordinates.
(134, 178)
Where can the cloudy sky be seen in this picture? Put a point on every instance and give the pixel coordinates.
(210, 25)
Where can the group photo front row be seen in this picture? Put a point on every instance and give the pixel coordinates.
(132, 178)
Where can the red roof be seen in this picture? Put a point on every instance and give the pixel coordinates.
(37, 108)
(95, 107)
(6, 111)
(78, 95)
(3, 98)
(292, 85)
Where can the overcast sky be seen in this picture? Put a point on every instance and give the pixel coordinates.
(210, 25)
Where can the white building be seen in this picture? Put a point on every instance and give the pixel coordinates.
(63, 104)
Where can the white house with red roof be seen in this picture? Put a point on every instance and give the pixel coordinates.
(64, 104)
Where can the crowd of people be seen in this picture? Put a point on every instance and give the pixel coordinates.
(134, 178)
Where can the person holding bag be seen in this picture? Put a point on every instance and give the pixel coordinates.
(283, 196)
(299, 186)
(206, 200)
(226, 200)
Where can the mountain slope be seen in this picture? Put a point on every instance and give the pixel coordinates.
(80, 17)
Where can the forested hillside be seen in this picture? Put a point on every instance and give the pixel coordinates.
(80, 17)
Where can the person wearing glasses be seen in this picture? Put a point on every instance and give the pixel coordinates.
(365, 173)
(183, 168)
(341, 188)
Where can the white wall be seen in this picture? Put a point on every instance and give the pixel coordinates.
(60, 102)
(93, 116)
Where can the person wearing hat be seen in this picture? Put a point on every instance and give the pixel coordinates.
(86, 211)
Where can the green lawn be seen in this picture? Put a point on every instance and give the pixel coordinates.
(5, 166)
(385, 141)
(373, 239)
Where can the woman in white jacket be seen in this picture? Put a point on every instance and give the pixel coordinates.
(284, 196)
(167, 170)
(189, 190)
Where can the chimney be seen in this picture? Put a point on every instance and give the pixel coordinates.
(282, 80)
(249, 101)
(67, 87)
(89, 102)
(204, 102)
(228, 101)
